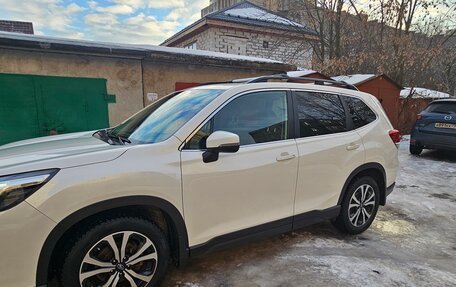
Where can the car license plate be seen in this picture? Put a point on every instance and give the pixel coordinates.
(445, 126)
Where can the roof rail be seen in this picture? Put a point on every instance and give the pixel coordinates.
(263, 79)
(316, 81)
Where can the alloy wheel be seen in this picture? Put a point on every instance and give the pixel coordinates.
(362, 205)
(123, 259)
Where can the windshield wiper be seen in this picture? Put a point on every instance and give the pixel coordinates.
(119, 138)
(101, 135)
(111, 138)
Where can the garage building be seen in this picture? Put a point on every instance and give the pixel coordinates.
(51, 85)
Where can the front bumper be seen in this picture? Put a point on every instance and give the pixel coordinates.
(23, 230)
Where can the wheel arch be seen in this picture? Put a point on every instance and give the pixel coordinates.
(372, 169)
(168, 209)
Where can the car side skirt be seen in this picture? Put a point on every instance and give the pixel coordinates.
(265, 230)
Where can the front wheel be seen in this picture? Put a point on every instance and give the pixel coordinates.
(121, 252)
(359, 207)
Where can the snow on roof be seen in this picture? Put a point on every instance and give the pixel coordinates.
(132, 47)
(355, 78)
(246, 14)
(301, 73)
(204, 53)
(256, 13)
(423, 93)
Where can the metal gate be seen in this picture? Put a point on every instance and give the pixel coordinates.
(33, 106)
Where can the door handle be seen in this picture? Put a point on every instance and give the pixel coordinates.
(353, 146)
(285, 156)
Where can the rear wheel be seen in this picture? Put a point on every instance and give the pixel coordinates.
(359, 207)
(415, 149)
(121, 252)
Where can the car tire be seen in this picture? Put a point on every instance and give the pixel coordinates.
(93, 260)
(415, 149)
(354, 217)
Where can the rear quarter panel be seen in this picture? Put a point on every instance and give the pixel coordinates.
(378, 146)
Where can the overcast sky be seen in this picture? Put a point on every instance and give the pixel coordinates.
(127, 21)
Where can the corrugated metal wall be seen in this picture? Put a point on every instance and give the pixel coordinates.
(35, 106)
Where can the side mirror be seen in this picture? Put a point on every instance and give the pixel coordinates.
(218, 142)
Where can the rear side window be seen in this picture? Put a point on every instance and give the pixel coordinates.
(360, 113)
(319, 114)
(442, 108)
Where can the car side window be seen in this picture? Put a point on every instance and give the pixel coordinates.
(319, 114)
(257, 118)
(360, 113)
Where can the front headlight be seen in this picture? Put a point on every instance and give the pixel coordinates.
(17, 187)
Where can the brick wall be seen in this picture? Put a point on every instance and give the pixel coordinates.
(233, 41)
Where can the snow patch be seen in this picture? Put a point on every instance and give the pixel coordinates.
(354, 79)
(372, 271)
(260, 14)
(133, 47)
(423, 93)
(301, 73)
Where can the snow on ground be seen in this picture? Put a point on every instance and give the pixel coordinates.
(412, 242)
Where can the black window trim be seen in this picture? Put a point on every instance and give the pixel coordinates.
(349, 121)
(291, 115)
(297, 131)
(347, 111)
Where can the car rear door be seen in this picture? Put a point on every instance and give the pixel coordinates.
(252, 188)
(329, 150)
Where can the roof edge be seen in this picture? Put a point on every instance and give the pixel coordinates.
(172, 39)
(310, 32)
(57, 45)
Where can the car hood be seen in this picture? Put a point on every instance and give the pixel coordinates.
(61, 151)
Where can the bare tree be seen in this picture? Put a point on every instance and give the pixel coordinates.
(325, 17)
(401, 38)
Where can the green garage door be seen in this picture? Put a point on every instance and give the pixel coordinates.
(33, 106)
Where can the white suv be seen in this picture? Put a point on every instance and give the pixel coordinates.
(195, 170)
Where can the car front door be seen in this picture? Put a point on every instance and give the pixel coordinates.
(329, 150)
(251, 187)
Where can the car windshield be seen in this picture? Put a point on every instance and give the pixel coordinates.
(442, 108)
(163, 118)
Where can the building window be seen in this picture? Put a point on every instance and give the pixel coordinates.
(191, 46)
(265, 44)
